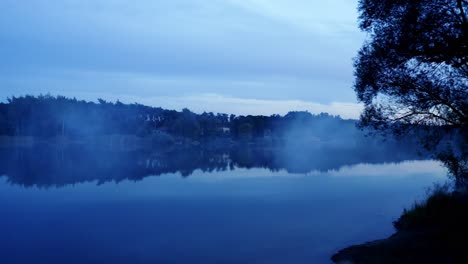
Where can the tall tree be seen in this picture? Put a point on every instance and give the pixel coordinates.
(415, 66)
(413, 70)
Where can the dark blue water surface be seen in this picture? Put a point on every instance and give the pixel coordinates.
(61, 206)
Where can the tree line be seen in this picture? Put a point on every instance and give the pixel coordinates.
(50, 116)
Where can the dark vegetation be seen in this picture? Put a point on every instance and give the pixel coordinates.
(416, 62)
(433, 231)
(55, 141)
(442, 209)
(414, 71)
(47, 116)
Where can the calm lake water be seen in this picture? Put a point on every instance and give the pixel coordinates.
(68, 206)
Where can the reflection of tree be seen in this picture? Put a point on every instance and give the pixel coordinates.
(53, 166)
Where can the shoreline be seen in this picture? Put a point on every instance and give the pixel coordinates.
(435, 231)
(402, 247)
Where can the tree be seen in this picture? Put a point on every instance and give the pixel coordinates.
(413, 70)
(245, 131)
(415, 67)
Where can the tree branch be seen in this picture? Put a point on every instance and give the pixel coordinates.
(462, 11)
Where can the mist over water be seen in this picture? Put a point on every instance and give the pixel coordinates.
(53, 165)
(233, 131)
(84, 182)
(93, 204)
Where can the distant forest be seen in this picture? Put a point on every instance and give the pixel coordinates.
(48, 116)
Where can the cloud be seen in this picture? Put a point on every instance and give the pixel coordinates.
(180, 36)
(217, 103)
(114, 85)
(241, 95)
(329, 18)
(267, 50)
(198, 95)
(245, 106)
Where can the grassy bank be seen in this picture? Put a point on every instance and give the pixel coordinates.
(432, 231)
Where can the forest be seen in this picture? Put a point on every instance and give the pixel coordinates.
(47, 116)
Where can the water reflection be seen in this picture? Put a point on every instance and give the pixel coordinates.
(248, 210)
(47, 165)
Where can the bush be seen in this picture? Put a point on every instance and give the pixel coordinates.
(443, 209)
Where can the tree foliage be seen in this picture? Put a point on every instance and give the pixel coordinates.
(414, 68)
(50, 116)
(413, 71)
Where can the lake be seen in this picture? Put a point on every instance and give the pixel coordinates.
(84, 205)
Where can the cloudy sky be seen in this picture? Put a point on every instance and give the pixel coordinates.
(234, 56)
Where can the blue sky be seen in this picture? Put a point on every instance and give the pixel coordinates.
(235, 56)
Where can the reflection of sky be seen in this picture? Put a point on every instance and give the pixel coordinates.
(291, 54)
(426, 168)
(421, 173)
(237, 216)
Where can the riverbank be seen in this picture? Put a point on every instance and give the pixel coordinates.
(435, 231)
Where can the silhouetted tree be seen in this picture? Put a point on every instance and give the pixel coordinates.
(414, 68)
(47, 116)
